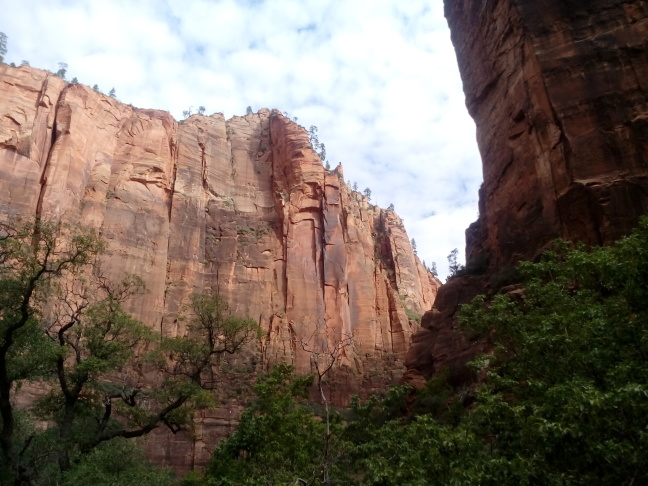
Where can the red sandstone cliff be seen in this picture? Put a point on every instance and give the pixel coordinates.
(559, 93)
(242, 207)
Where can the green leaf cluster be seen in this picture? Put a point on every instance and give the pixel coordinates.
(278, 440)
(565, 399)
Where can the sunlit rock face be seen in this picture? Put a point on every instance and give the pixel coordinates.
(242, 207)
(559, 94)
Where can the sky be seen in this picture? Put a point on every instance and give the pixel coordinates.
(377, 77)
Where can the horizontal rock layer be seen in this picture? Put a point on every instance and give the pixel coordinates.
(241, 207)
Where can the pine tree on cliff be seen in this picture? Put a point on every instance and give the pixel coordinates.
(433, 269)
(3, 46)
(62, 71)
(453, 265)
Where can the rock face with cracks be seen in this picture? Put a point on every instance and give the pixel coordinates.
(559, 93)
(242, 207)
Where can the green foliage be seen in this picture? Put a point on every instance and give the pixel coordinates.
(318, 147)
(474, 266)
(566, 397)
(412, 315)
(278, 440)
(62, 70)
(117, 463)
(433, 269)
(453, 265)
(420, 453)
(562, 399)
(3, 46)
(112, 93)
(64, 324)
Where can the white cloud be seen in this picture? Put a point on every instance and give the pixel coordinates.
(378, 77)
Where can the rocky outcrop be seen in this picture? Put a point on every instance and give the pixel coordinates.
(559, 93)
(242, 207)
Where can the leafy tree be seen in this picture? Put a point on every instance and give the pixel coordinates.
(33, 258)
(75, 80)
(62, 70)
(3, 46)
(112, 93)
(201, 110)
(566, 395)
(188, 112)
(117, 463)
(367, 193)
(61, 324)
(420, 453)
(278, 439)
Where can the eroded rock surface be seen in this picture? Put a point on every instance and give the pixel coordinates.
(242, 207)
(559, 93)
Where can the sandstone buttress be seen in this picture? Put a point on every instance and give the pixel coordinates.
(242, 207)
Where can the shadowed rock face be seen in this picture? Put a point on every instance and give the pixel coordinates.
(242, 207)
(559, 93)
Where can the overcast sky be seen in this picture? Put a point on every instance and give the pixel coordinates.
(377, 77)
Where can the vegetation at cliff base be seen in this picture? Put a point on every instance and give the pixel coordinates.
(562, 399)
(65, 333)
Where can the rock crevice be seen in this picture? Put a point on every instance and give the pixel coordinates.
(241, 207)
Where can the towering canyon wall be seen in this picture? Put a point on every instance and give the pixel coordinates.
(242, 207)
(559, 93)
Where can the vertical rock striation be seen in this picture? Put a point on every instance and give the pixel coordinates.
(559, 94)
(242, 207)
